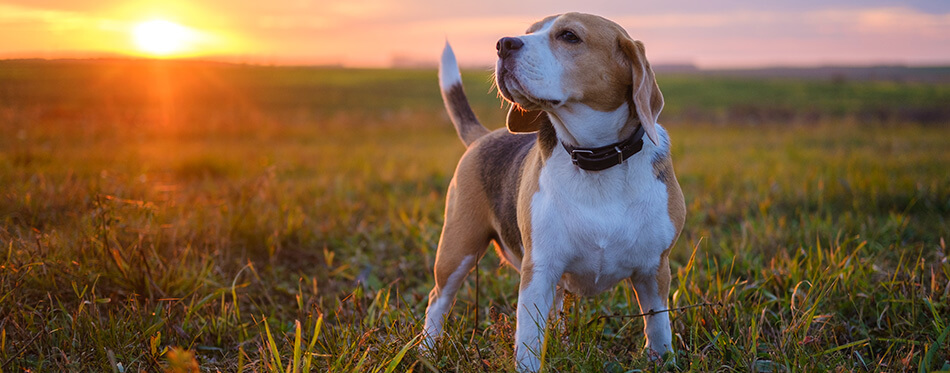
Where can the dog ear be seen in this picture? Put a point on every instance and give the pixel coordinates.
(646, 93)
(521, 121)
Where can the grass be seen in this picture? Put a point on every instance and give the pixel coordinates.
(163, 216)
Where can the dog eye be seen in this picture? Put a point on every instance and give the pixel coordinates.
(569, 37)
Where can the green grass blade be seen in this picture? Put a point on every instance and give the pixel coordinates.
(308, 359)
(200, 303)
(395, 361)
(297, 352)
(932, 351)
(844, 346)
(275, 355)
(316, 333)
(234, 298)
(359, 365)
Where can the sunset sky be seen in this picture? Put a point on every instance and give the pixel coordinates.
(379, 33)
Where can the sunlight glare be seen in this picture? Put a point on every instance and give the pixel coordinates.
(160, 37)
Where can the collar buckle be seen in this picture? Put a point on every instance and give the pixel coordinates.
(574, 154)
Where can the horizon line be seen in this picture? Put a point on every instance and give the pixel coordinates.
(398, 63)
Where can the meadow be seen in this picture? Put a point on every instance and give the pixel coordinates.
(182, 216)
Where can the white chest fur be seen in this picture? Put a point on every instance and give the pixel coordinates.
(604, 226)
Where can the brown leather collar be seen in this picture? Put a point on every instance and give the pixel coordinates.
(604, 157)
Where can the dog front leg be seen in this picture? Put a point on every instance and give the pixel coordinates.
(652, 295)
(535, 301)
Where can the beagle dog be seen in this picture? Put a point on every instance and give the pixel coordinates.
(578, 194)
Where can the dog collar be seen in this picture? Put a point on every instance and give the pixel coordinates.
(604, 157)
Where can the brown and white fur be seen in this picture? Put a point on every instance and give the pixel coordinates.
(578, 79)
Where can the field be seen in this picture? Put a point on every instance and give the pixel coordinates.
(163, 215)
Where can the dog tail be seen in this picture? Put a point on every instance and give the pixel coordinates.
(450, 83)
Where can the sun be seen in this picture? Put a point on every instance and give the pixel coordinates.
(161, 38)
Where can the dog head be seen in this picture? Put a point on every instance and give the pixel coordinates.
(572, 59)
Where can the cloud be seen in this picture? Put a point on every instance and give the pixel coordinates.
(15, 14)
(890, 21)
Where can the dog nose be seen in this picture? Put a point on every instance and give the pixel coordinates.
(506, 45)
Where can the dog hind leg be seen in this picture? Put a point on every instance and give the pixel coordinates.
(464, 240)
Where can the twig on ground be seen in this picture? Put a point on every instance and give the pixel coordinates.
(652, 312)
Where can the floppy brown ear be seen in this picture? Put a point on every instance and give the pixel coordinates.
(520, 121)
(646, 93)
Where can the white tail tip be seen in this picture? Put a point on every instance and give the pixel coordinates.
(449, 74)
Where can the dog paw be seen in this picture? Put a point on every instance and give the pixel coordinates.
(664, 353)
(427, 346)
